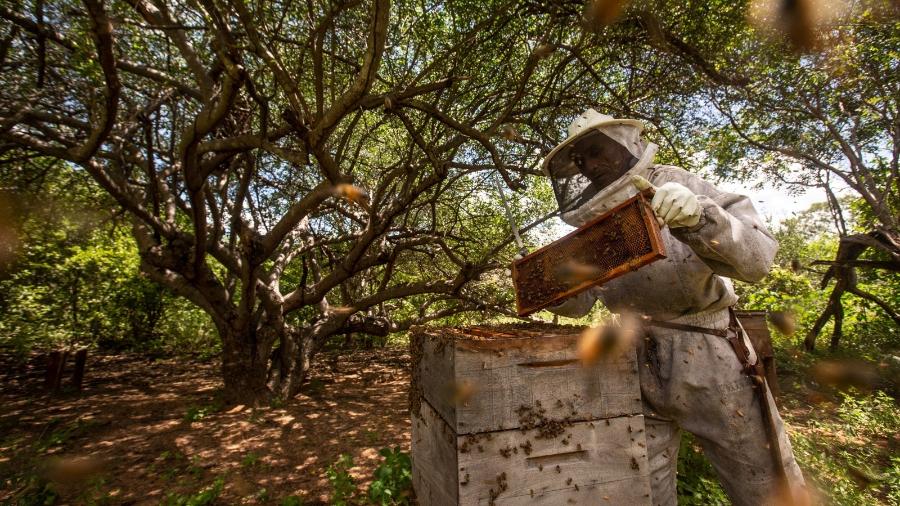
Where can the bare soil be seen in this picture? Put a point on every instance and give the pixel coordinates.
(142, 429)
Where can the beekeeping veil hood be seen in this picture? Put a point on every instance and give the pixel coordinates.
(585, 190)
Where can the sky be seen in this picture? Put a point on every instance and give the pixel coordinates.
(773, 203)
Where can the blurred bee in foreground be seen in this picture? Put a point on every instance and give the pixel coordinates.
(608, 339)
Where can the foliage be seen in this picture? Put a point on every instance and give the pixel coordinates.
(697, 483)
(228, 135)
(75, 280)
(824, 119)
(204, 497)
(391, 483)
(852, 457)
(794, 285)
(343, 487)
(393, 479)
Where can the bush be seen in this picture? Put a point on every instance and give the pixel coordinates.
(393, 479)
(343, 488)
(697, 483)
(74, 279)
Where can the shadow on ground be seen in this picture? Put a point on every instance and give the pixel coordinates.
(141, 430)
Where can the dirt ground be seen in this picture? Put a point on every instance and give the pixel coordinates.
(142, 429)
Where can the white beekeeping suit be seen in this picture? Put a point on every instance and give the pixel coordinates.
(689, 380)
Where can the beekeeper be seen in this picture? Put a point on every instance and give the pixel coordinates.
(691, 375)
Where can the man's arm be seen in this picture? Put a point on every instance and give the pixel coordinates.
(730, 236)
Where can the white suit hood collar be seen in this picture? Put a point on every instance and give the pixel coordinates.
(617, 192)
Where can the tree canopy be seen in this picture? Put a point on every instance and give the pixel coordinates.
(300, 170)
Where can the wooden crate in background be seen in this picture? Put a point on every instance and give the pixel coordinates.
(508, 416)
(757, 328)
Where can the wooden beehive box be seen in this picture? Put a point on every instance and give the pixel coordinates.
(508, 416)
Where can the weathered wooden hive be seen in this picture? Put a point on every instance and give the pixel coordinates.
(508, 416)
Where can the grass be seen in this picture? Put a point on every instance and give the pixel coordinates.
(853, 456)
(197, 413)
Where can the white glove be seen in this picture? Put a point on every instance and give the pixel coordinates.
(674, 204)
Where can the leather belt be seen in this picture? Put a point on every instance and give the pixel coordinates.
(687, 328)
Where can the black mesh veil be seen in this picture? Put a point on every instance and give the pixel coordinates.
(584, 167)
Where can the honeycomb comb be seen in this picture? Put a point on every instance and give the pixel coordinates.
(619, 241)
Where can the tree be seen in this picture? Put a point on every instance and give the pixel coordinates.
(298, 171)
(74, 279)
(820, 118)
(305, 170)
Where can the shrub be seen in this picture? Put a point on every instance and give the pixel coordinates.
(393, 479)
(342, 485)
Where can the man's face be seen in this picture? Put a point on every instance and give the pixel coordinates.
(601, 159)
(587, 166)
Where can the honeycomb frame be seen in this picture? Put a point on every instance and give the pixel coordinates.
(619, 241)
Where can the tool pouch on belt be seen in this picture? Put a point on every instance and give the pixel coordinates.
(734, 334)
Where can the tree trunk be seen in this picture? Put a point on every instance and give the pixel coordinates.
(838, 331)
(834, 308)
(294, 358)
(843, 270)
(245, 360)
(809, 344)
